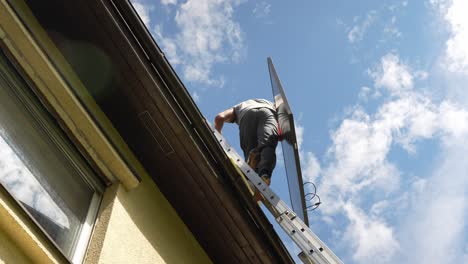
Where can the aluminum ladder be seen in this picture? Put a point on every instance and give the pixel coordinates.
(313, 249)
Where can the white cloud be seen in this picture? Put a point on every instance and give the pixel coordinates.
(358, 31)
(457, 45)
(397, 6)
(453, 120)
(421, 75)
(362, 141)
(410, 117)
(299, 135)
(437, 217)
(169, 45)
(379, 207)
(196, 97)
(456, 53)
(359, 169)
(384, 20)
(364, 93)
(391, 30)
(309, 163)
(262, 9)
(419, 186)
(311, 167)
(168, 2)
(143, 11)
(372, 238)
(360, 146)
(392, 75)
(206, 35)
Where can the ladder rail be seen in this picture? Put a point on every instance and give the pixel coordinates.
(310, 244)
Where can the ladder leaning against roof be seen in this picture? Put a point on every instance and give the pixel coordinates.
(313, 249)
(294, 223)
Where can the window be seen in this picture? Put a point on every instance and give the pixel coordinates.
(42, 169)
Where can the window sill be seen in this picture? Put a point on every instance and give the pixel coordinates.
(25, 234)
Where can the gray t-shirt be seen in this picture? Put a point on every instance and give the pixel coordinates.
(242, 108)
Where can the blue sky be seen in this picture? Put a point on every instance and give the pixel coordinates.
(380, 97)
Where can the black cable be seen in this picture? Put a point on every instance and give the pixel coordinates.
(310, 196)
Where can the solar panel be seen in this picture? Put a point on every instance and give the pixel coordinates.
(289, 146)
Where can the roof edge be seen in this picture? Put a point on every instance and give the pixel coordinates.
(196, 124)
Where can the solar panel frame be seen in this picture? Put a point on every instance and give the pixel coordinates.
(289, 144)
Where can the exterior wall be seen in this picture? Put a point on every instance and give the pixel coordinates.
(9, 252)
(141, 227)
(136, 224)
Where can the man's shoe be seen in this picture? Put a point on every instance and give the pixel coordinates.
(266, 179)
(253, 159)
(258, 196)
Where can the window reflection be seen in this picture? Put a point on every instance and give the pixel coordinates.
(41, 168)
(20, 182)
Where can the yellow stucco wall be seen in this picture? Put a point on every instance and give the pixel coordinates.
(9, 252)
(137, 226)
(142, 227)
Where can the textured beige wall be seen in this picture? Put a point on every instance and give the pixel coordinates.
(142, 227)
(9, 252)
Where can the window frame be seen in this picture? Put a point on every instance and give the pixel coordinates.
(26, 94)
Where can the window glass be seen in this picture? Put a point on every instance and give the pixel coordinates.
(39, 167)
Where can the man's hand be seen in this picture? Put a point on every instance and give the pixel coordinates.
(225, 116)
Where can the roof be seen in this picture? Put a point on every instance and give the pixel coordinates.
(128, 75)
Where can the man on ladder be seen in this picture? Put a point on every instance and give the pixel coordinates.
(261, 125)
(258, 131)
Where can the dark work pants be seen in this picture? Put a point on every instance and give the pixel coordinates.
(259, 132)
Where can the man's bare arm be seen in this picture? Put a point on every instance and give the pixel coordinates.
(225, 116)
